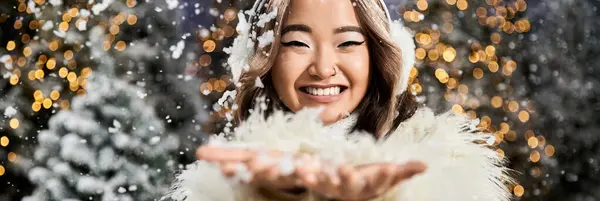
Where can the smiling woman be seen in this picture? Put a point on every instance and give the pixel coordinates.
(350, 52)
(369, 141)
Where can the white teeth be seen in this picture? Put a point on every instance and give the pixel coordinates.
(329, 91)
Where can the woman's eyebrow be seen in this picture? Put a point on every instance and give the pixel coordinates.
(347, 29)
(296, 27)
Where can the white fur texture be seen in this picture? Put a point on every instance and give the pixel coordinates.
(404, 40)
(458, 168)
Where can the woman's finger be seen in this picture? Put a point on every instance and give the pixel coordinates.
(229, 169)
(261, 168)
(352, 182)
(386, 178)
(326, 185)
(409, 170)
(307, 169)
(212, 153)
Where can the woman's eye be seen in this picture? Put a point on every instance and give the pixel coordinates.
(351, 43)
(294, 43)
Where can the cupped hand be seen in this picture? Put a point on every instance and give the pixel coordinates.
(347, 182)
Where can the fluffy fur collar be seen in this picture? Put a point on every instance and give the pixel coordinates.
(458, 168)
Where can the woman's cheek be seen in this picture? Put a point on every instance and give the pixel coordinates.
(286, 71)
(357, 67)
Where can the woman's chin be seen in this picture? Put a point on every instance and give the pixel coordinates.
(329, 118)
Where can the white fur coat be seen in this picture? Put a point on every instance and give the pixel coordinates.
(458, 168)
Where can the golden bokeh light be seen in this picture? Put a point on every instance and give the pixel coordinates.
(449, 54)
(230, 14)
(73, 12)
(54, 95)
(422, 4)
(14, 123)
(66, 17)
(14, 79)
(132, 19)
(209, 46)
(21, 61)
(490, 50)
(478, 73)
(523, 116)
(220, 86)
(534, 156)
(493, 66)
(433, 55)
(473, 57)
(4, 141)
(549, 150)
(86, 72)
(496, 38)
(131, 3)
(532, 142)
(53, 46)
(39, 74)
(504, 128)
(120, 46)
(206, 88)
(114, 29)
(205, 60)
(65, 105)
(47, 103)
(457, 109)
(513, 106)
(441, 75)
(518, 190)
(541, 141)
(36, 106)
(496, 101)
(27, 51)
(18, 24)
(511, 135)
(452, 83)
(420, 53)
(71, 77)
(63, 72)
(12, 156)
(63, 26)
(51, 63)
(37, 95)
(462, 4)
(11, 45)
(68, 55)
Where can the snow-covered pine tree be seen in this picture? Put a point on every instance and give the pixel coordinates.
(148, 44)
(109, 147)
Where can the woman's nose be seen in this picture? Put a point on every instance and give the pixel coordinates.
(324, 63)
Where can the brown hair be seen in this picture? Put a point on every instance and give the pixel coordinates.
(377, 111)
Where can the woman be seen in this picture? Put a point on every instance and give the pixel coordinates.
(367, 140)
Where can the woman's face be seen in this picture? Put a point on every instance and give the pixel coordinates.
(323, 59)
